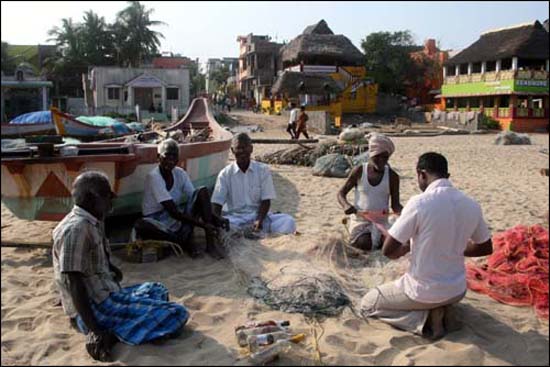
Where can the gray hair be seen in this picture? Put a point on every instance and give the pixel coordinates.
(242, 138)
(88, 183)
(166, 145)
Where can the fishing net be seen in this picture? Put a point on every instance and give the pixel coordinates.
(311, 294)
(517, 271)
(306, 155)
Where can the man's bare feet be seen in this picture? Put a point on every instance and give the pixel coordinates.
(451, 320)
(435, 320)
(215, 251)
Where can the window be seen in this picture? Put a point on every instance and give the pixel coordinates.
(172, 93)
(476, 68)
(463, 69)
(506, 64)
(462, 102)
(504, 102)
(113, 93)
(490, 66)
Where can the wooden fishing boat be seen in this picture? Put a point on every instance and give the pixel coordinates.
(12, 131)
(36, 183)
(36, 126)
(68, 125)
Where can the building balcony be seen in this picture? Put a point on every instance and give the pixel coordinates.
(497, 76)
(506, 112)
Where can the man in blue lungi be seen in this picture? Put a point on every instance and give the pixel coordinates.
(89, 284)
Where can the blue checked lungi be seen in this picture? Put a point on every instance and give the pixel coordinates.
(138, 314)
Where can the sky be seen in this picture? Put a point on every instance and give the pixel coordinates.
(210, 29)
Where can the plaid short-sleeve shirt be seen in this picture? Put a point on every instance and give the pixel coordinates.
(80, 245)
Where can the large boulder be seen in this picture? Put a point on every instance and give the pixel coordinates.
(360, 159)
(351, 134)
(333, 165)
(512, 138)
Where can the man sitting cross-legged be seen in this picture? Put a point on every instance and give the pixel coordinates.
(245, 189)
(172, 206)
(89, 283)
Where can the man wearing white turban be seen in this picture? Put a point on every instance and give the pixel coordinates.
(375, 183)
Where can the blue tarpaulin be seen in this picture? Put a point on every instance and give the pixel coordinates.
(38, 117)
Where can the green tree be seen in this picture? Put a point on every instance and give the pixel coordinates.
(198, 80)
(96, 40)
(219, 77)
(68, 63)
(135, 41)
(388, 59)
(8, 62)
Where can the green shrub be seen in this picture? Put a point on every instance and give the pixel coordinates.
(487, 123)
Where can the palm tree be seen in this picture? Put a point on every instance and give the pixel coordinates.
(96, 40)
(135, 41)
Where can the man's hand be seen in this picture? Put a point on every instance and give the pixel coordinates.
(258, 224)
(221, 222)
(350, 210)
(118, 274)
(544, 171)
(99, 345)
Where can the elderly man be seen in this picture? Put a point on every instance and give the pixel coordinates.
(443, 226)
(375, 183)
(89, 283)
(245, 189)
(172, 206)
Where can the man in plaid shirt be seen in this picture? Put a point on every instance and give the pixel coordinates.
(89, 284)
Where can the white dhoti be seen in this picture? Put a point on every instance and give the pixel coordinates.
(273, 223)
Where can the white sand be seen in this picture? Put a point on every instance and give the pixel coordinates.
(504, 179)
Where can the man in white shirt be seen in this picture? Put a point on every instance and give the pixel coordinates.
(244, 191)
(443, 226)
(291, 128)
(172, 206)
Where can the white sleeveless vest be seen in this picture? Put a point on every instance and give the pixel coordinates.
(375, 198)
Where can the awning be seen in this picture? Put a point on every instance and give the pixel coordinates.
(26, 84)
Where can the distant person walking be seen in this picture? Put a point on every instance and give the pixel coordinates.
(301, 126)
(291, 128)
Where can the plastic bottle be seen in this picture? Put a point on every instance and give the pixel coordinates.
(269, 353)
(255, 324)
(255, 342)
(242, 335)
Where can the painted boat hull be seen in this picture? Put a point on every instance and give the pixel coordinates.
(67, 125)
(39, 188)
(18, 131)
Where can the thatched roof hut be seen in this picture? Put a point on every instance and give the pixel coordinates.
(296, 83)
(527, 41)
(318, 45)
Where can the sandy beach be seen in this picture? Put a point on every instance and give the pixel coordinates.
(505, 180)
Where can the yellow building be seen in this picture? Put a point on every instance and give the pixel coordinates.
(326, 72)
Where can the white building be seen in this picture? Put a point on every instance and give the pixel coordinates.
(115, 89)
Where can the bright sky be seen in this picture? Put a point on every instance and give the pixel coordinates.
(210, 29)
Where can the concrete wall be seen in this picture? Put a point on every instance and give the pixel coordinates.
(319, 122)
(77, 106)
(388, 104)
(458, 120)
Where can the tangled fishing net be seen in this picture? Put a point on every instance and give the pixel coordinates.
(517, 271)
(303, 292)
(306, 155)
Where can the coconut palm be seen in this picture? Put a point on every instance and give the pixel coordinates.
(135, 39)
(96, 40)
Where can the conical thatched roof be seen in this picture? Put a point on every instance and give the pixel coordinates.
(295, 83)
(318, 45)
(527, 41)
(319, 28)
